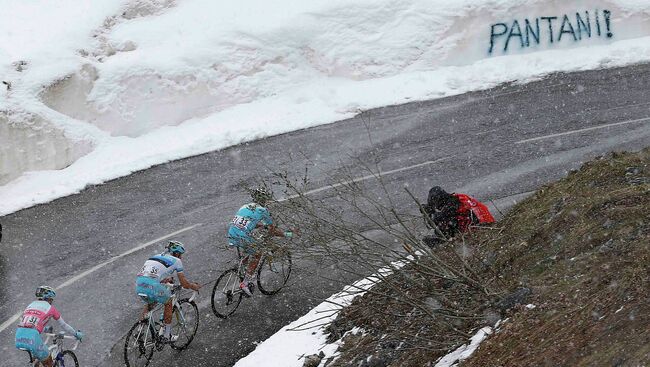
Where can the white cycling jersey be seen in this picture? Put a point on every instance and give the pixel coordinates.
(161, 267)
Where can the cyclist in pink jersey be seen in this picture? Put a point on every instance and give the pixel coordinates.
(35, 318)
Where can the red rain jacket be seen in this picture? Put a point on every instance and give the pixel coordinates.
(471, 211)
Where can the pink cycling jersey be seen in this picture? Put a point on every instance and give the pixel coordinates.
(37, 315)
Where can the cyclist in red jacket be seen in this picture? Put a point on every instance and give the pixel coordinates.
(454, 213)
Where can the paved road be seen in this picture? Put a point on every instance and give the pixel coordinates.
(493, 144)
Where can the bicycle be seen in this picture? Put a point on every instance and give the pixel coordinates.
(146, 335)
(272, 271)
(62, 357)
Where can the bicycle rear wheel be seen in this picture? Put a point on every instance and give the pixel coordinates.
(226, 295)
(67, 359)
(185, 322)
(139, 345)
(273, 272)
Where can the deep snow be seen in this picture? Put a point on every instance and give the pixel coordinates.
(100, 89)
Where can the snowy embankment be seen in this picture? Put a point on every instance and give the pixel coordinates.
(94, 90)
(306, 337)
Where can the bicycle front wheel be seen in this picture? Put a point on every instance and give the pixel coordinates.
(67, 359)
(226, 295)
(139, 345)
(185, 322)
(273, 272)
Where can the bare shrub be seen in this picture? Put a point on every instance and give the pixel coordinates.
(364, 227)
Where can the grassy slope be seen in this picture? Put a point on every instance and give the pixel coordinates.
(582, 244)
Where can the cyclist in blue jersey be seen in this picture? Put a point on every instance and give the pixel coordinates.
(248, 218)
(157, 270)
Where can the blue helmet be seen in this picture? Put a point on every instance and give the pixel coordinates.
(44, 293)
(175, 247)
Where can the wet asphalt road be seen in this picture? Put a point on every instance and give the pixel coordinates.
(479, 140)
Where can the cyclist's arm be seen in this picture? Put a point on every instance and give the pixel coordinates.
(186, 283)
(275, 231)
(267, 222)
(64, 325)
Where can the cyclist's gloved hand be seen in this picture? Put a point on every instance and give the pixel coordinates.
(288, 234)
(79, 335)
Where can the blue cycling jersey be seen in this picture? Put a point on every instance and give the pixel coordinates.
(248, 217)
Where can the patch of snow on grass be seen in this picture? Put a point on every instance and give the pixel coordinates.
(466, 350)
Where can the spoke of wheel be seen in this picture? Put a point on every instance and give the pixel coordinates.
(225, 291)
(187, 319)
(182, 323)
(139, 350)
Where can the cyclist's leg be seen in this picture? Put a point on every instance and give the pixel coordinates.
(30, 339)
(168, 312)
(252, 265)
(167, 317)
(147, 307)
(48, 362)
(25, 340)
(43, 351)
(246, 247)
(249, 248)
(163, 295)
(147, 288)
(235, 244)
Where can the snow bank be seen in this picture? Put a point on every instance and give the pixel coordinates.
(28, 142)
(307, 334)
(130, 84)
(466, 350)
(301, 335)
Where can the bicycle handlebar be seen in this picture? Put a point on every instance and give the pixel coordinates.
(60, 336)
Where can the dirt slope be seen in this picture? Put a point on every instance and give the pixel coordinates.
(582, 245)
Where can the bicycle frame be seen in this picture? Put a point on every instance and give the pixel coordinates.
(145, 336)
(58, 343)
(241, 269)
(227, 292)
(55, 349)
(243, 259)
(174, 300)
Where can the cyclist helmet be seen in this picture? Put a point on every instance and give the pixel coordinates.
(44, 293)
(261, 195)
(175, 247)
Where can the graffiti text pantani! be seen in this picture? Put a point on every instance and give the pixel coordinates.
(523, 33)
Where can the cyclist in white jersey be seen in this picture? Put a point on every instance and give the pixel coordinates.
(157, 270)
